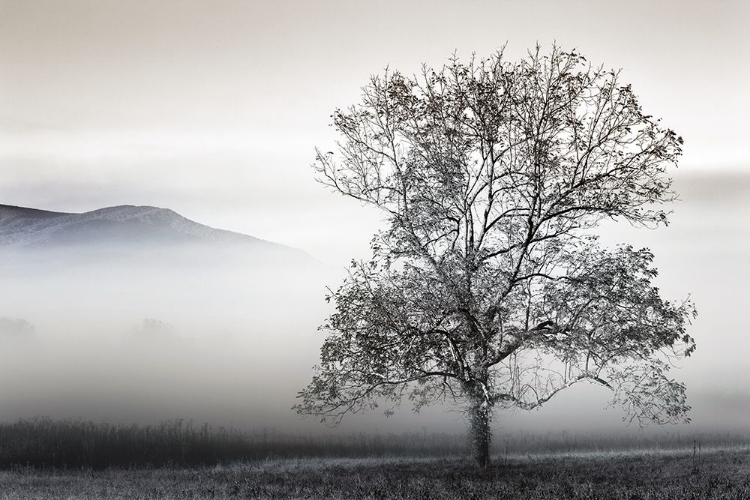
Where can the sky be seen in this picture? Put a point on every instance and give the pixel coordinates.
(214, 108)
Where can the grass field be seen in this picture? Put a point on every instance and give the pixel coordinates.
(46, 459)
(75, 444)
(717, 474)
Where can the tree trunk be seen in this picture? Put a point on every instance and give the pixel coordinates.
(480, 414)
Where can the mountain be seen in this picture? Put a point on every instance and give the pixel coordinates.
(29, 227)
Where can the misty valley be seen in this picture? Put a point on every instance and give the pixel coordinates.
(483, 277)
(133, 337)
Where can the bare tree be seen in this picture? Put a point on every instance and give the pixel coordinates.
(488, 286)
(154, 330)
(16, 328)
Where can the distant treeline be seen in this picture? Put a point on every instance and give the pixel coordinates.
(43, 442)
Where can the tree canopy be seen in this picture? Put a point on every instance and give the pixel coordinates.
(488, 285)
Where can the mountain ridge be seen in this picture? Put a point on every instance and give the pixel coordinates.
(25, 227)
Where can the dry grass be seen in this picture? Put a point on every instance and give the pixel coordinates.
(64, 444)
(718, 474)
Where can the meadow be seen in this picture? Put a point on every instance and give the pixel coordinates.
(49, 459)
(718, 475)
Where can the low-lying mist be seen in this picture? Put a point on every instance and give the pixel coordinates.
(142, 332)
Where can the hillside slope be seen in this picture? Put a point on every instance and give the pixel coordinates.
(23, 227)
